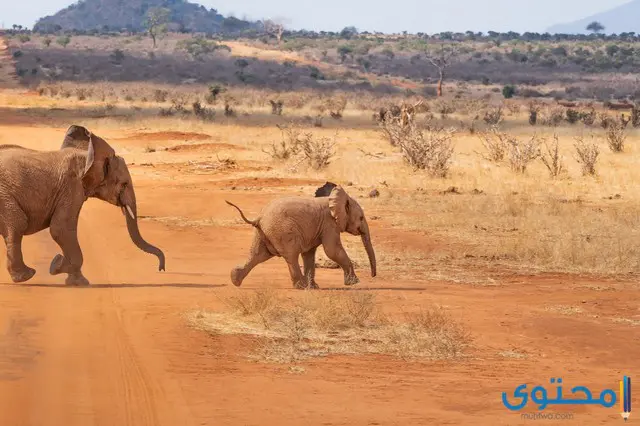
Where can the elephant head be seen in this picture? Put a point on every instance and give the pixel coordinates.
(107, 177)
(349, 216)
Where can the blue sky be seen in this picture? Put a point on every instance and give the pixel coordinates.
(429, 16)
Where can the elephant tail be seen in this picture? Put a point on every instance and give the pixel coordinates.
(250, 222)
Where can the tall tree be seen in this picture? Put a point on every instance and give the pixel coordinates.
(156, 22)
(595, 27)
(442, 59)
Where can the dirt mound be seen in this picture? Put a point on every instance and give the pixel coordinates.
(199, 147)
(166, 136)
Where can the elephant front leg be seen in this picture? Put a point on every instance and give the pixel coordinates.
(337, 253)
(15, 263)
(309, 261)
(70, 262)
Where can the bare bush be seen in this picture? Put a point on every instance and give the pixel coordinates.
(553, 116)
(572, 115)
(317, 151)
(203, 113)
(496, 143)
(336, 106)
(429, 150)
(276, 106)
(523, 152)
(289, 145)
(493, 116)
(444, 108)
(635, 116)
(393, 128)
(616, 136)
(588, 118)
(534, 109)
(552, 159)
(587, 155)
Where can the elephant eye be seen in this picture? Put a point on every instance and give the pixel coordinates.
(106, 168)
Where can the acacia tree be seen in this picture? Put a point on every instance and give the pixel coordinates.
(156, 22)
(442, 59)
(275, 28)
(595, 27)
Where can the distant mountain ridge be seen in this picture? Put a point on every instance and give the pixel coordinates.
(622, 19)
(116, 15)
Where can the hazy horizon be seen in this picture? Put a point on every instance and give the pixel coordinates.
(409, 15)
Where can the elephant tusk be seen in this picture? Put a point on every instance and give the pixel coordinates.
(130, 212)
(124, 213)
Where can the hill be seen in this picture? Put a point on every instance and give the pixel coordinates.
(621, 19)
(116, 15)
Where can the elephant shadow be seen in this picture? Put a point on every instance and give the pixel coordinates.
(123, 285)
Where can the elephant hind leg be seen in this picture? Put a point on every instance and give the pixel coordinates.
(297, 279)
(15, 263)
(259, 253)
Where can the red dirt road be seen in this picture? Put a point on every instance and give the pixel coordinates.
(121, 353)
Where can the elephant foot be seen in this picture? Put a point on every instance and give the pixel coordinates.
(56, 265)
(236, 276)
(313, 285)
(351, 279)
(22, 275)
(77, 280)
(301, 284)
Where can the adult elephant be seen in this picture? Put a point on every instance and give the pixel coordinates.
(46, 189)
(293, 226)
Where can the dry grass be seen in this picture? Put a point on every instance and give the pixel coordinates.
(320, 324)
(563, 309)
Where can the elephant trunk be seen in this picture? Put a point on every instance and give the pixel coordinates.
(366, 241)
(130, 210)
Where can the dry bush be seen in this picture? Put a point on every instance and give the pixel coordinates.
(276, 106)
(336, 106)
(496, 143)
(493, 116)
(572, 115)
(588, 118)
(318, 151)
(203, 112)
(552, 159)
(317, 324)
(587, 155)
(290, 143)
(605, 120)
(444, 108)
(392, 127)
(635, 116)
(523, 152)
(553, 116)
(616, 136)
(534, 110)
(429, 149)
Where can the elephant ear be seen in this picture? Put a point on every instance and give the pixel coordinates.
(339, 207)
(99, 152)
(325, 189)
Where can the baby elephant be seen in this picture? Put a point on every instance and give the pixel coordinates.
(289, 227)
